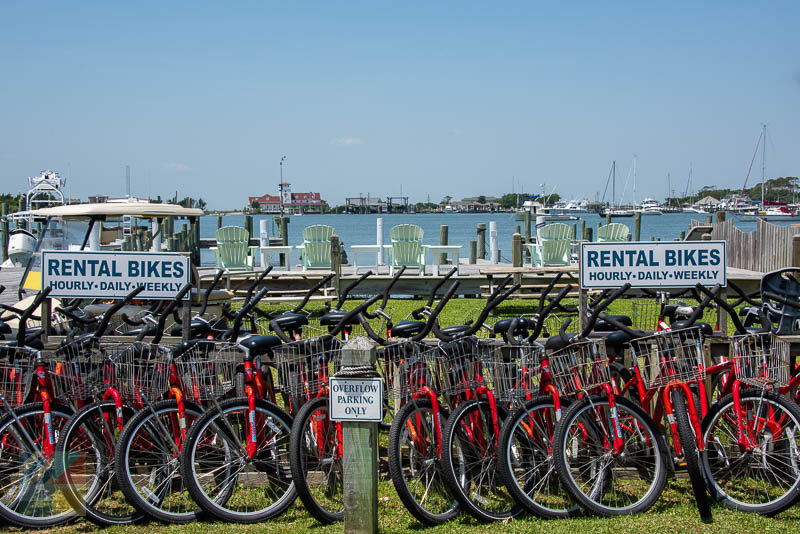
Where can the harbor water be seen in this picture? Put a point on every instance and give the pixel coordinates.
(361, 229)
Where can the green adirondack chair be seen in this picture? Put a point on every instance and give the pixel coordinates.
(233, 250)
(613, 232)
(553, 245)
(315, 252)
(406, 249)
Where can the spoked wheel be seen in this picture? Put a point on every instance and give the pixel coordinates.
(147, 462)
(763, 476)
(526, 461)
(469, 461)
(690, 453)
(602, 478)
(315, 452)
(415, 463)
(29, 481)
(86, 454)
(230, 475)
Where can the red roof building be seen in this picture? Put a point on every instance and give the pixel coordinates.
(297, 202)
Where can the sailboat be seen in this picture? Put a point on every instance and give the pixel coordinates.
(770, 211)
(615, 211)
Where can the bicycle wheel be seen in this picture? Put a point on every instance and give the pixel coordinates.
(29, 482)
(227, 481)
(469, 462)
(147, 462)
(415, 464)
(603, 480)
(315, 457)
(690, 453)
(763, 476)
(85, 454)
(526, 461)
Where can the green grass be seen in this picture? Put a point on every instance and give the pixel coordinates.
(673, 513)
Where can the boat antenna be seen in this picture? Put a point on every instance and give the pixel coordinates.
(750, 168)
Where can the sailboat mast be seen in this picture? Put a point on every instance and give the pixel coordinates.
(634, 179)
(614, 183)
(763, 164)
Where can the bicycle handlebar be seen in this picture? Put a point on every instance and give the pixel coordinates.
(544, 313)
(490, 305)
(602, 306)
(344, 321)
(114, 308)
(725, 306)
(237, 321)
(385, 293)
(257, 281)
(311, 292)
(208, 291)
(350, 287)
(27, 314)
(162, 320)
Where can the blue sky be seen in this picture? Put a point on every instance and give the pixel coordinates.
(445, 98)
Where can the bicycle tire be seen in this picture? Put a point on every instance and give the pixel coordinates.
(328, 469)
(717, 455)
(436, 505)
(16, 506)
(602, 497)
(84, 437)
(691, 455)
(219, 448)
(164, 499)
(526, 460)
(496, 504)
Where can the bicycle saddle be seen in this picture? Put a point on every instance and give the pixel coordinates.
(455, 329)
(523, 325)
(260, 345)
(150, 330)
(204, 346)
(5, 330)
(705, 328)
(76, 346)
(333, 317)
(558, 342)
(407, 329)
(605, 326)
(197, 329)
(291, 321)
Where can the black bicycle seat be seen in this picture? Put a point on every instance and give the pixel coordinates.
(260, 345)
(523, 325)
(149, 330)
(197, 329)
(558, 342)
(5, 330)
(605, 326)
(334, 317)
(406, 329)
(291, 321)
(705, 328)
(455, 329)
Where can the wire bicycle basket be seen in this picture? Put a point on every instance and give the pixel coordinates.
(512, 372)
(671, 356)
(415, 371)
(460, 370)
(761, 360)
(138, 371)
(580, 367)
(16, 374)
(208, 370)
(304, 366)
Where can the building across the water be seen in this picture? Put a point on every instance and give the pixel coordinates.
(291, 202)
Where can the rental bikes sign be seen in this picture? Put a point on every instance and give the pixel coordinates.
(652, 264)
(89, 274)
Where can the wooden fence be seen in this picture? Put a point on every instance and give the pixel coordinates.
(767, 248)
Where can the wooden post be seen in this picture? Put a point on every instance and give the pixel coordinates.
(583, 296)
(516, 250)
(444, 233)
(637, 226)
(219, 222)
(608, 217)
(683, 235)
(248, 224)
(720, 216)
(527, 226)
(4, 232)
(796, 250)
(336, 261)
(583, 228)
(574, 231)
(196, 243)
(284, 230)
(473, 252)
(589, 234)
(709, 219)
(360, 462)
(482, 241)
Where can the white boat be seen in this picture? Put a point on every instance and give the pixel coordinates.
(649, 206)
(692, 209)
(775, 213)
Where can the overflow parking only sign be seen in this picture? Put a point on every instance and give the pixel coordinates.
(652, 264)
(356, 399)
(89, 274)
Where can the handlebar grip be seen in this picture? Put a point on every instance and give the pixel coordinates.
(114, 308)
(438, 285)
(207, 292)
(352, 313)
(69, 315)
(162, 320)
(350, 287)
(619, 326)
(27, 314)
(435, 314)
(725, 306)
(698, 311)
(391, 284)
(240, 315)
(547, 291)
(595, 313)
(311, 292)
(255, 283)
(543, 315)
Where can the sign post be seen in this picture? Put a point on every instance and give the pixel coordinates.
(357, 397)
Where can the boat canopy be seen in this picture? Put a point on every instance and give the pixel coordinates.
(143, 210)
